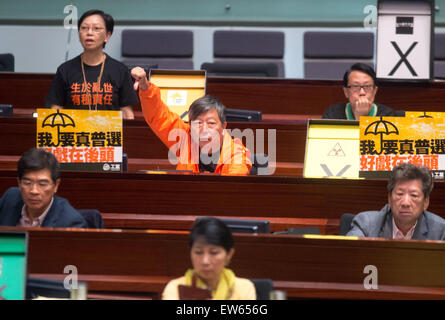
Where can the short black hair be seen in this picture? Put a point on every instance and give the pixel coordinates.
(213, 231)
(363, 67)
(204, 104)
(409, 171)
(108, 19)
(37, 159)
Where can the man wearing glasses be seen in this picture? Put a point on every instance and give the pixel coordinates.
(359, 86)
(34, 203)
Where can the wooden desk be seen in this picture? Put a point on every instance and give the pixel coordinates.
(142, 262)
(271, 96)
(19, 135)
(202, 195)
(312, 97)
(249, 196)
(136, 164)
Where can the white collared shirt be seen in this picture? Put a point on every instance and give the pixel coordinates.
(36, 222)
(397, 234)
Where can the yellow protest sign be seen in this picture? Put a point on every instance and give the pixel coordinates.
(424, 114)
(386, 142)
(82, 139)
(332, 149)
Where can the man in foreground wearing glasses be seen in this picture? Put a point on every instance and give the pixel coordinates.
(405, 216)
(359, 86)
(34, 203)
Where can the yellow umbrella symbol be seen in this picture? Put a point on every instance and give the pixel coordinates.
(424, 115)
(58, 120)
(381, 127)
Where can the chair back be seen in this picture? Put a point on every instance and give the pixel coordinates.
(327, 54)
(263, 288)
(158, 49)
(439, 55)
(260, 164)
(345, 223)
(247, 53)
(92, 217)
(7, 62)
(240, 69)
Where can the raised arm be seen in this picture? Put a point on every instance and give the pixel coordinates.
(157, 115)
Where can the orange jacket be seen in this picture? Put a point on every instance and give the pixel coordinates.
(234, 158)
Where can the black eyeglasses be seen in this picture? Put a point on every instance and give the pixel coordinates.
(357, 88)
(84, 29)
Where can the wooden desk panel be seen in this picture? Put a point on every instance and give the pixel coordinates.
(255, 196)
(203, 195)
(289, 261)
(284, 96)
(271, 96)
(135, 164)
(19, 134)
(300, 96)
(24, 90)
(182, 222)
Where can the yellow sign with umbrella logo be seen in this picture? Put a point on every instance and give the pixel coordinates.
(386, 142)
(424, 114)
(82, 139)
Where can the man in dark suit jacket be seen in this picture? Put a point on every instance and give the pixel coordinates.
(34, 203)
(405, 215)
(359, 87)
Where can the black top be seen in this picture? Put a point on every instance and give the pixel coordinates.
(115, 90)
(204, 166)
(337, 111)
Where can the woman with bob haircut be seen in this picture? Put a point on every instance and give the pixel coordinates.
(211, 248)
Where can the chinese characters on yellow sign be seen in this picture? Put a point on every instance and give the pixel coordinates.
(82, 139)
(388, 141)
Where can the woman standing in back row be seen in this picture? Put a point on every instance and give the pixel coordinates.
(93, 80)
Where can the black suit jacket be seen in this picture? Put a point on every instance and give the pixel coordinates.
(60, 215)
(337, 111)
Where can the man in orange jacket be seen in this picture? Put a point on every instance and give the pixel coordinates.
(204, 145)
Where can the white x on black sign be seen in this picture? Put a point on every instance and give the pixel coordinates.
(403, 58)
